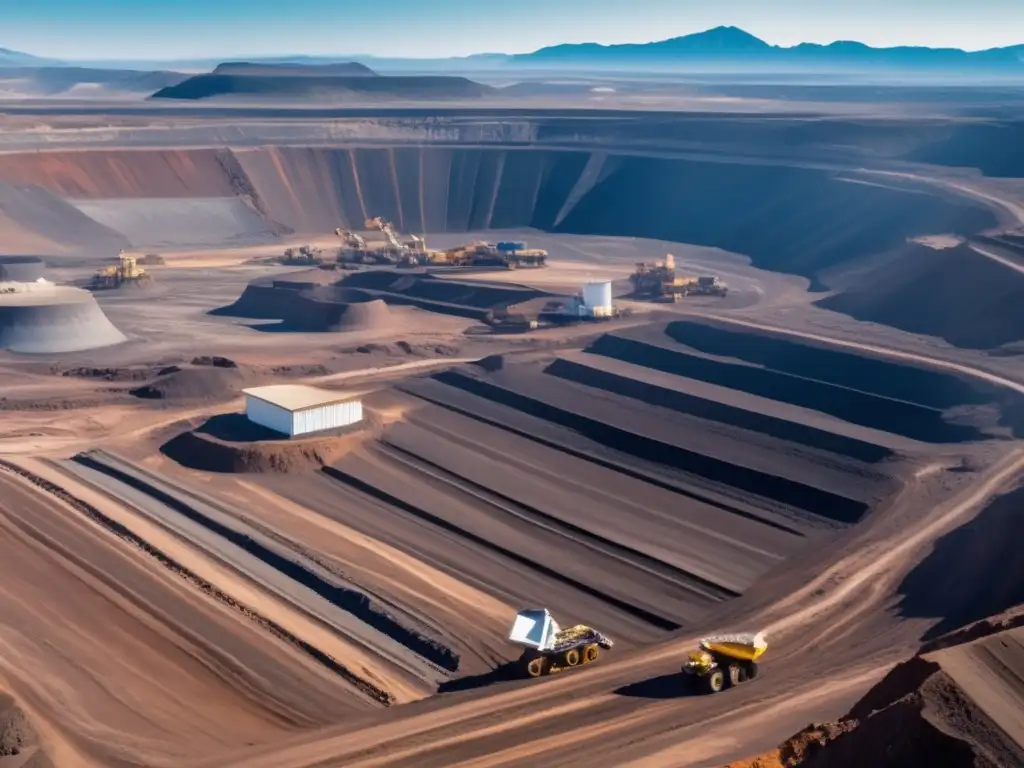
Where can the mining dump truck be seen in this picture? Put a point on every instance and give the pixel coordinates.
(548, 648)
(724, 660)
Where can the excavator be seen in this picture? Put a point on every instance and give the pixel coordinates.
(404, 254)
(350, 239)
(125, 272)
(724, 661)
(354, 250)
(548, 648)
(392, 251)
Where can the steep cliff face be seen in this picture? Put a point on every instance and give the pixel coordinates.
(792, 219)
(420, 189)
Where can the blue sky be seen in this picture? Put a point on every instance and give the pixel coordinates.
(149, 29)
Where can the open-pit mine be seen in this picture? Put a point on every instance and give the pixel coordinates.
(808, 423)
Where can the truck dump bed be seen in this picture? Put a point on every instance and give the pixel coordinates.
(536, 628)
(743, 647)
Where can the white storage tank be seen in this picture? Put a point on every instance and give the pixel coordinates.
(298, 409)
(597, 297)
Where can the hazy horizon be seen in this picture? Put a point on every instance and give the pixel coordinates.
(126, 29)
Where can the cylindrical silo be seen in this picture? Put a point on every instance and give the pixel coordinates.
(597, 297)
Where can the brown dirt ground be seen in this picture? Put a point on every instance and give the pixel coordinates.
(935, 709)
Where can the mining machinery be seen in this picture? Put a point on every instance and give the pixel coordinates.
(392, 251)
(707, 286)
(387, 229)
(724, 661)
(304, 254)
(350, 239)
(418, 246)
(470, 254)
(503, 255)
(355, 250)
(659, 280)
(125, 272)
(516, 255)
(407, 254)
(502, 321)
(548, 648)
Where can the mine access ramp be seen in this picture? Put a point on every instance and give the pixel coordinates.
(548, 648)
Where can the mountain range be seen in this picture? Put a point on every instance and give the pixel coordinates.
(723, 48)
(734, 46)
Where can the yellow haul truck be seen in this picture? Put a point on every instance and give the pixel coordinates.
(548, 648)
(724, 660)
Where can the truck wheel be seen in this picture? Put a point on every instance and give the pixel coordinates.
(714, 681)
(537, 666)
(737, 675)
(590, 653)
(751, 670)
(572, 657)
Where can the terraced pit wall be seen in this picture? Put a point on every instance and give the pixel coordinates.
(787, 218)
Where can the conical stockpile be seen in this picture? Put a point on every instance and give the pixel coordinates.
(42, 318)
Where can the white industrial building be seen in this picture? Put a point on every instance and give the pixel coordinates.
(298, 409)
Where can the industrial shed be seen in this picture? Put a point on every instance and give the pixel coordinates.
(298, 409)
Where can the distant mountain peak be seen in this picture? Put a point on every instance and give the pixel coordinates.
(723, 38)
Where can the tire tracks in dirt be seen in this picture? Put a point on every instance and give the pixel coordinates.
(124, 533)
